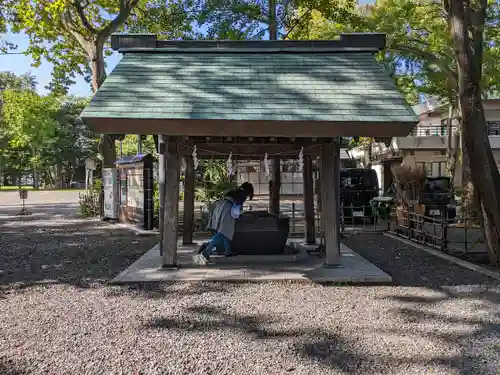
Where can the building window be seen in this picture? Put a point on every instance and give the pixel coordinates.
(433, 169)
(493, 127)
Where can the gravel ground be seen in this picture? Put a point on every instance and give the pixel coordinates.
(436, 319)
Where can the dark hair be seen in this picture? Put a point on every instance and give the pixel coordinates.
(247, 187)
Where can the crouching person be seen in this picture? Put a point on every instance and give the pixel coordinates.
(222, 221)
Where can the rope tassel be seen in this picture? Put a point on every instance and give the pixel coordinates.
(195, 157)
(266, 166)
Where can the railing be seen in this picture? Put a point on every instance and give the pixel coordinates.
(432, 131)
(456, 236)
(442, 130)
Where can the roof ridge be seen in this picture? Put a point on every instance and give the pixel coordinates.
(358, 42)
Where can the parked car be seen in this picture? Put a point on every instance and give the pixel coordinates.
(437, 197)
(358, 186)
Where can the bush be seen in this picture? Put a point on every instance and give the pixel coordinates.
(90, 200)
(156, 198)
(210, 192)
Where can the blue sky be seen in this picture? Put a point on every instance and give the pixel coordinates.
(20, 64)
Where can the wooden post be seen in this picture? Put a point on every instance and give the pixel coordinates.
(169, 240)
(321, 197)
(162, 164)
(308, 193)
(189, 183)
(330, 170)
(274, 194)
(336, 185)
(319, 193)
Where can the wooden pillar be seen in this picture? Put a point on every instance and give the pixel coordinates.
(319, 193)
(330, 180)
(274, 194)
(189, 184)
(162, 164)
(336, 185)
(172, 175)
(308, 193)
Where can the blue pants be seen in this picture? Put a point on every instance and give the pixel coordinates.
(218, 238)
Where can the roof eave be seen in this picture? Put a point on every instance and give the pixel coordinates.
(249, 128)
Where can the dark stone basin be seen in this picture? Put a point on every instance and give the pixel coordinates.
(260, 233)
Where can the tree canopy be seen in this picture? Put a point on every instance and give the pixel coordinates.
(69, 34)
(43, 132)
(419, 50)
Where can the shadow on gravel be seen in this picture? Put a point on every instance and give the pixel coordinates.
(160, 290)
(477, 348)
(410, 266)
(339, 351)
(476, 355)
(208, 318)
(45, 248)
(7, 368)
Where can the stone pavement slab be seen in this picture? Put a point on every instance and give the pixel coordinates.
(355, 269)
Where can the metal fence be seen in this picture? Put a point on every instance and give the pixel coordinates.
(462, 237)
(458, 237)
(368, 221)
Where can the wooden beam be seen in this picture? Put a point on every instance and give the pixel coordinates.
(189, 184)
(169, 229)
(330, 166)
(308, 189)
(162, 165)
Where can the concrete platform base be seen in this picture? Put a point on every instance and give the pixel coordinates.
(254, 268)
(258, 259)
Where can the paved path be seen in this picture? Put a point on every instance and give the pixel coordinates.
(58, 315)
(56, 202)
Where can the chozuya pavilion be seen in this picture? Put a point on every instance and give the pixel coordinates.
(250, 97)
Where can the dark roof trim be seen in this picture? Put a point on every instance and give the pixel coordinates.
(246, 50)
(355, 42)
(129, 159)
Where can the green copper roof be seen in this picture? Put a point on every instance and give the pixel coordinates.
(322, 86)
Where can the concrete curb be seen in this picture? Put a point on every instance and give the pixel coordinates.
(460, 262)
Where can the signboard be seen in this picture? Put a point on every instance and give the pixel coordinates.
(135, 188)
(23, 194)
(110, 185)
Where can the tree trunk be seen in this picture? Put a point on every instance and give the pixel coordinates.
(451, 149)
(273, 27)
(107, 147)
(483, 168)
(35, 172)
(470, 209)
